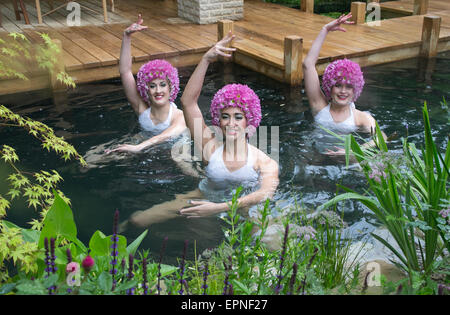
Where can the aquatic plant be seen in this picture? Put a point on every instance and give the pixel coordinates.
(407, 199)
(229, 270)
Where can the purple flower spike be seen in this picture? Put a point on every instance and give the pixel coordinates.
(114, 247)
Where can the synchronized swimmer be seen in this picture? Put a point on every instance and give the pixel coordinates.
(230, 160)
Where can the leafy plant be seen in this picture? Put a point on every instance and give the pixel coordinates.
(18, 56)
(406, 195)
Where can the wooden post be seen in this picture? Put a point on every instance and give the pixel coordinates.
(307, 6)
(105, 11)
(38, 10)
(223, 27)
(358, 10)
(293, 57)
(420, 7)
(430, 36)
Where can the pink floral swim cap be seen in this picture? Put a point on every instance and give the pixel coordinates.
(157, 69)
(343, 71)
(237, 95)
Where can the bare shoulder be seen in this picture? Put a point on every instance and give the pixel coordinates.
(177, 115)
(263, 162)
(364, 120)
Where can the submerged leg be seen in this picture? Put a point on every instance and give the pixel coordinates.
(161, 212)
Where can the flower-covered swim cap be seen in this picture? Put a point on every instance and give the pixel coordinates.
(343, 71)
(157, 69)
(237, 95)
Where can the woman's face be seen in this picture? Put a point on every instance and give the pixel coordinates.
(342, 94)
(159, 92)
(233, 122)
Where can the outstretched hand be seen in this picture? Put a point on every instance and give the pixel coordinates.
(124, 148)
(337, 151)
(200, 209)
(136, 27)
(336, 24)
(220, 48)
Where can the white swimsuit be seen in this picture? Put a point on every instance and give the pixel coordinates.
(325, 119)
(147, 124)
(220, 181)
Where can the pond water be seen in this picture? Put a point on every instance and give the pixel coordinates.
(98, 114)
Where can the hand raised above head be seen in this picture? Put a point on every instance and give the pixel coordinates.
(220, 48)
(336, 24)
(136, 27)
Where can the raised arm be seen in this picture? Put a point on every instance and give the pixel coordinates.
(316, 98)
(125, 68)
(189, 99)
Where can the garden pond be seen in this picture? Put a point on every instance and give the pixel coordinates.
(97, 116)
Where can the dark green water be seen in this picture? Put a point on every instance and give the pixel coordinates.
(98, 113)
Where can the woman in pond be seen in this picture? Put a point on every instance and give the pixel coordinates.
(152, 96)
(152, 99)
(333, 106)
(230, 160)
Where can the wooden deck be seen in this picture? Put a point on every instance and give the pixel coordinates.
(91, 51)
(405, 7)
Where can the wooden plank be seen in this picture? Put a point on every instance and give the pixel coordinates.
(112, 42)
(86, 58)
(70, 62)
(147, 44)
(259, 66)
(77, 37)
(264, 54)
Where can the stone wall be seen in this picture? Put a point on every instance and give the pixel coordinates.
(210, 11)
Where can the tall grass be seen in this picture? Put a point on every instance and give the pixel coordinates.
(407, 195)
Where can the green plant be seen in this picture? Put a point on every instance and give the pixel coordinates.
(406, 194)
(60, 226)
(18, 56)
